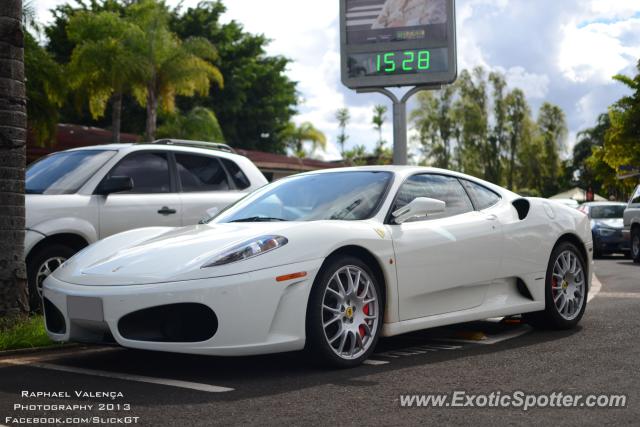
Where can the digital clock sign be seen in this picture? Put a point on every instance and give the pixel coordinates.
(388, 43)
(398, 62)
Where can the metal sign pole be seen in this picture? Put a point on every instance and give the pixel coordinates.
(400, 156)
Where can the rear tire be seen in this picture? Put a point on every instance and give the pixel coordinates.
(635, 245)
(565, 290)
(40, 265)
(344, 316)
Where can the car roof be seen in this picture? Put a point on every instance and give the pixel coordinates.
(160, 147)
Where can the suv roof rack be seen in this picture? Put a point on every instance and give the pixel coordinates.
(199, 144)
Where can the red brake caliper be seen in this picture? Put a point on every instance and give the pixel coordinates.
(554, 287)
(361, 329)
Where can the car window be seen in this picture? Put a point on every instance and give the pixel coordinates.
(201, 173)
(65, 172)
(482, 196)
(239, 178)
(607, 211)
(636, 196)
(439, 187)
(148, 170)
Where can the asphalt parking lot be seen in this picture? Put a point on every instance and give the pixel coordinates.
(600, 357)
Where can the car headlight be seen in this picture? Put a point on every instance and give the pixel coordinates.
(245, 250)
(605, 232)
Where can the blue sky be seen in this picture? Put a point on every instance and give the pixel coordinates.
(562, 51)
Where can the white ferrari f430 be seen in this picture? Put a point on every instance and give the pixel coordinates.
(329, 262)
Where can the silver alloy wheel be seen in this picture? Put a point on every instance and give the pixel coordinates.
(568, 285)
(635, 245)
(46, 268)
(350, 312)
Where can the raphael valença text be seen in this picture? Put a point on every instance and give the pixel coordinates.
(79, 394)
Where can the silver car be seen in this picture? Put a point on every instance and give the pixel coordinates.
(632, 224)
(79, 196)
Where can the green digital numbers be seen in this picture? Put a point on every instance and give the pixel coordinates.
(424, 60)
(407, 61)
(407, 64)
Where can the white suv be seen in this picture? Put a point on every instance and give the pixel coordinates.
(79, 196)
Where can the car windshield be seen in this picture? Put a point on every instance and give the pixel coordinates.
(607, 212)
(325, 196)
(64, 172)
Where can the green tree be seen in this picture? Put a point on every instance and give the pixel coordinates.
(435, 122)
(552, 131)
(258, 100)
(171, 66)
(622, 139)
(46, 87)
(518, 118)
(378, 120)
(472, 114)
(295, 138)
(343, 117)
(13, 134)
(496, 142)
(104, 63)
(199, 124)
(356, 156)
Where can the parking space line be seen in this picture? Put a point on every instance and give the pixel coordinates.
(596, 287)
(127, 377)
(375, 362)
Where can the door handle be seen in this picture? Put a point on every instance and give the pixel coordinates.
(491, 217)
(166, 211)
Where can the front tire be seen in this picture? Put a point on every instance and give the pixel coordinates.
(565, 290)
(345, 313)
(635, 245)
(40, 265)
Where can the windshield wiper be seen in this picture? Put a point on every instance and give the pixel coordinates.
(259, 219)
(341, 214)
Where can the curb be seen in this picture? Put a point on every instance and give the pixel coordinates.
(37, 350)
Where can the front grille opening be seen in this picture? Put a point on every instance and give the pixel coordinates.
(186, 322)
(54, 319)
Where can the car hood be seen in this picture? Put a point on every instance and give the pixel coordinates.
(159, 254)
(607, 223)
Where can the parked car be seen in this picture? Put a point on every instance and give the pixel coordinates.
(329, 261)
(79, 196)
(632, 224)
(606, 227)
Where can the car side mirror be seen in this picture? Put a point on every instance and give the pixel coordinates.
(420, 206)
(115, 184)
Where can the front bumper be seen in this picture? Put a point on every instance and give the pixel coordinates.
(616, 242)
(255, 313)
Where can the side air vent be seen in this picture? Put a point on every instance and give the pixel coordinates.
(522, 206)
(523, 290)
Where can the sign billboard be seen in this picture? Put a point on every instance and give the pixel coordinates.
(386, 43)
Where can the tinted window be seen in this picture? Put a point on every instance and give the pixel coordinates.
(149, 172)
(201, 173)
(483, 197)
(439, 187)
(239, 178)
(64, 172)
(636, 196)
(343, 196)
(607, 211)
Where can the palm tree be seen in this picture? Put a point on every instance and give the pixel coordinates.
(343, 116)
(199, 124)
(13, 132)
(295, 137)
(104, 63)
(171, 66)
(378, 120)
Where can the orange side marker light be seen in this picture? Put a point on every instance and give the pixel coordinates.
(291, 276)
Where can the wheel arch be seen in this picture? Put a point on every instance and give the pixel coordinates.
(366, 256)
(577, 242)
(74, 241)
